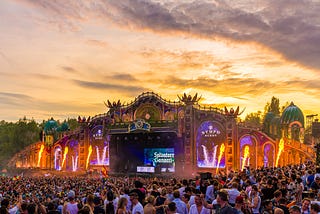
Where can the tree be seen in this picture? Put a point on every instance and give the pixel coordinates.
(253, 119)
(14, 137)
(73, 123)
(273, 107)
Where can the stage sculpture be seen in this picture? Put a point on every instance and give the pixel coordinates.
(155, 135)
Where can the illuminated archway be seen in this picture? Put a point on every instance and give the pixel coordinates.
(268, 155)
(72, 160)
(57, 157)
(248, 151)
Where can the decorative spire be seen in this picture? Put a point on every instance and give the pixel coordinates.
(113, 105)
(188, 99)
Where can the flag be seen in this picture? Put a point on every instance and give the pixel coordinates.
(104, 171)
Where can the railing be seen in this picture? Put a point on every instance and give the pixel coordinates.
(209, 108)
(157, 123)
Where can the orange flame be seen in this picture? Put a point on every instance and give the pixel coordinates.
(88, 158)
(40, 154)
(64, 156)
(281, 147)
(222, 148)
(246, 154)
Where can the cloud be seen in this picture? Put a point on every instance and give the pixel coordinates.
(97, 43)
(290, 27)
(69, 69)
(126, 89)
(124, 77)
(15, 99)
(188, 64)
(242, 87)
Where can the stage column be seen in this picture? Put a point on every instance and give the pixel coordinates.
(189, 144)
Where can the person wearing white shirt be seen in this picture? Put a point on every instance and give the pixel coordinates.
(137, 206)
(198, 207)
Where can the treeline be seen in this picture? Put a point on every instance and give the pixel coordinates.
(14, 137)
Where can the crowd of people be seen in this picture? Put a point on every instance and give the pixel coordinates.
(283, 190)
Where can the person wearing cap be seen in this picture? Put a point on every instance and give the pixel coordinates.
(137, 206)
(238, 204)
(315, 185)
(71, 207)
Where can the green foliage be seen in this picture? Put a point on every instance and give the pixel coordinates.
(273, 107)
(14, 137)
(73, 123)
(253, 120)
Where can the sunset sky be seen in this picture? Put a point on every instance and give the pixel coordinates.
(64, 58)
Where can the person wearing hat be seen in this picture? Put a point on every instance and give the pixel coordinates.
(238, 204)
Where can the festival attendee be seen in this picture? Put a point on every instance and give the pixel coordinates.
(245, 206)
(4, 206)
(295, 210)
(222, 200)
(149, 207)
(299, 190)
(170, 193)
(267, 207)
(233, 193)
(283, 205)
(70, 207)
(160, 201)
(198, 207)
(171, 208)
(98, 209)
(181, 206)
(278, 210)
(186, 198)
(305, 207)
(314, 208)
(315, 185)
(125, 194)
(122, 206)
(255, 200)
(210, 192)
(137, 207)
(268, 190)
(110, 206)
(51, 209)
(239, 205)
(277, 196)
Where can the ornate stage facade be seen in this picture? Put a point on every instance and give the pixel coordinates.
(154, 135)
